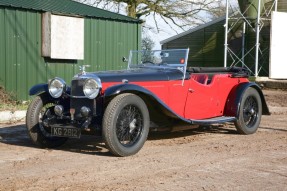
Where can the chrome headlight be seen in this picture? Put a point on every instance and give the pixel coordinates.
(92, 88)
(56, 87)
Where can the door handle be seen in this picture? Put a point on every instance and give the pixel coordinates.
(190, 90)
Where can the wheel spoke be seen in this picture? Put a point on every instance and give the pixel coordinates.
(129, 125)
(45, 113)
(250, 111)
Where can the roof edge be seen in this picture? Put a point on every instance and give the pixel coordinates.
(192, 30)
(127, 18)
(76, 9)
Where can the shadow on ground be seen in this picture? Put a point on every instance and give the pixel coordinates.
(94, 145)
(214, 129)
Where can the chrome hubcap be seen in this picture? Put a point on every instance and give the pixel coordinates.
(132, 125)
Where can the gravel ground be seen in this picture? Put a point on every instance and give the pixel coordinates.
(207, 158)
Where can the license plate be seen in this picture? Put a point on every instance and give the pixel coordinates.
(66, 132)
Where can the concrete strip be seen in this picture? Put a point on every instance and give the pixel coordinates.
(278, 110)
(271, 83)
(12, 117)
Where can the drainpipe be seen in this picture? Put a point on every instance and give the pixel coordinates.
(257, 38)
(226, 34)
(243, 45)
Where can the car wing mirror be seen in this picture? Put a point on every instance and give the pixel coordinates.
(124, 59)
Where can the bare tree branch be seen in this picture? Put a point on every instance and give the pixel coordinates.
(184, 14)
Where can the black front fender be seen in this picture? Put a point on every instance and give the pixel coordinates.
(37, 89)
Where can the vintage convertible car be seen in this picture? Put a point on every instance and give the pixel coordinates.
(157, 91)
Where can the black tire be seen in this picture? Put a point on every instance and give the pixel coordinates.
(38, 132)
(250, 112)
(125, 124)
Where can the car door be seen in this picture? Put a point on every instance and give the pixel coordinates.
(177, 92)
(202, 98)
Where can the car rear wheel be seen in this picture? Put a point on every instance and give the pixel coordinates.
(125, 124)
(40, 109)
(250, 112)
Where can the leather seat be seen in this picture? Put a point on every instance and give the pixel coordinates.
(201, 78)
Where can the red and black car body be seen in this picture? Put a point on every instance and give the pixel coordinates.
(157, 91)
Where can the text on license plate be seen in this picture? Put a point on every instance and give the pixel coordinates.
(66, 132)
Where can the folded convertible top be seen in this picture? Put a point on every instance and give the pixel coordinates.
(217, 70)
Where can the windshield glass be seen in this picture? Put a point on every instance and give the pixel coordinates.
(173, 58)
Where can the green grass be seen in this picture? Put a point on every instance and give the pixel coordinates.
(13, 107)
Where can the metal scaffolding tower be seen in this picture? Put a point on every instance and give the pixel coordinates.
(253, 14)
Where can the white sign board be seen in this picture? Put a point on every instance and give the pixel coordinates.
(278, 43)
(63, 37)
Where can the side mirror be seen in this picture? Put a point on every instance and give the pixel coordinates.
(124, 59)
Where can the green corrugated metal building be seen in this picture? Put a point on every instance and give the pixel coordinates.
(107, 38)
(206, 43)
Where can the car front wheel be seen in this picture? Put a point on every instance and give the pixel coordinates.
(250, 112)
(125, 124)
(40, 109)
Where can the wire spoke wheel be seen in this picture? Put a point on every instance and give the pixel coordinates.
(40, 109)
(125, 124)
(250, 111)
(129, 125)
(45, 114)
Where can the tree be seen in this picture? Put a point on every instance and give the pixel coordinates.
(219, 11)
(181, 13)
(147, 43)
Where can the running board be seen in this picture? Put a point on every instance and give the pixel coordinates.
(215, 120)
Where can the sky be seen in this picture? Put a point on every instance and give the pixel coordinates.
(164, 33)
